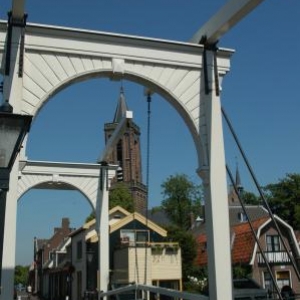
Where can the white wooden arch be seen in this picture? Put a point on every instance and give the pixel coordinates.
(56, 57)
(61, 176)
(47, 59)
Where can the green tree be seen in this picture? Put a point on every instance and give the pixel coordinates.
(90, 217)
(181, 198)
(118, 195)
(21, 274)
(250, 198)
(188, 247)
(284, 199)
(241, 271)
(197, 280)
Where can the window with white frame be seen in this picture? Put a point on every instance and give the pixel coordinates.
(283, 278)
(134, 237)
(273, 244)
(268, 283)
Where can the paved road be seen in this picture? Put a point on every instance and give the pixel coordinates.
(24, 296)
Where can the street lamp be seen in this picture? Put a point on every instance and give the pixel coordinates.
(89, 269)
(13, 128)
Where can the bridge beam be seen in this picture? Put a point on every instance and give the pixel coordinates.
(154, 289)
(213, 174)
(229, 15)
(18, 9)
(102, 207)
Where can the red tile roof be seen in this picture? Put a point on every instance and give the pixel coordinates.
(243, 243)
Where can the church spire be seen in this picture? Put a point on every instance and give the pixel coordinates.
(127, 154)
(121, 107)
(238, 182)
(233, 193)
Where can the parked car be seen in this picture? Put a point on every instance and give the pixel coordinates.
(245, 289)
(248, 289)
(287, 293)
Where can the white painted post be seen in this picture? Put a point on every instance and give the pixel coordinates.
(12, 91)
(102, 206)
(102, 210)
(213, 173)
(9, 242)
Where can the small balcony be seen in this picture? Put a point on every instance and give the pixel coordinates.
(156, 248)
(163, 261)
(278, 257)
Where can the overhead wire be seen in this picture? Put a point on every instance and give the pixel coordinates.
(129, 133)
(265, 202)
(253, 230)
(128, 166)
(266, 205)
(134, 226)
(147, 176)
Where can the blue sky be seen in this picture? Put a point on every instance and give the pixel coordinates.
(260, 95)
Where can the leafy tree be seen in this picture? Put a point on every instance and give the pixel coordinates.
(297, 216)
(21, 274)
(155, 209)
(181, 198)
(118, 195)
(241, 271)
(197, 280)
(90, 217)
(188, 247)
(284, 199)
(250, 198)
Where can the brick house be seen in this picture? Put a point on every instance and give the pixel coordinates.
(139, 252)
(245, 251)
(44, 250)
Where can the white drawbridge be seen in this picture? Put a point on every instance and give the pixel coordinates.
(37, 61)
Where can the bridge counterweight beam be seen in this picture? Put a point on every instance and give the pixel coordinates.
(213, 174)
(229, 15)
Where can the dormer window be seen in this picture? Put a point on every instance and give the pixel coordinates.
(242, 217)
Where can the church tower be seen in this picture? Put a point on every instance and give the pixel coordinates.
(233, 198)
(127, 154)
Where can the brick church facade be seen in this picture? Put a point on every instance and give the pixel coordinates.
(127, 154)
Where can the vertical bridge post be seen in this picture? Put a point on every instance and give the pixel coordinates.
(213, 174)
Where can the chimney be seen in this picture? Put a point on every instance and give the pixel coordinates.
(65, 223)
